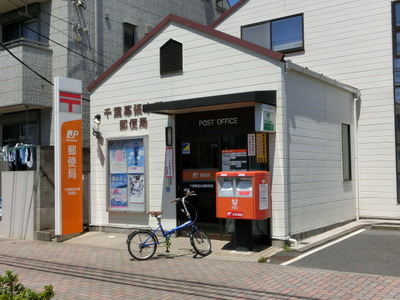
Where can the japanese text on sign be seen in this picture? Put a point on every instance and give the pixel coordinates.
(131, 117)
(261, 140)
(72, 161)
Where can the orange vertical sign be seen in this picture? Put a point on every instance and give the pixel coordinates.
(71, 177)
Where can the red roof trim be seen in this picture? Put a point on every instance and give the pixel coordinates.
(228, 13)
(205, 29)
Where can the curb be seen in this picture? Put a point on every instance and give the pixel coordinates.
(383, 225)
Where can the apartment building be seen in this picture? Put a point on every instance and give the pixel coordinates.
(42, 39)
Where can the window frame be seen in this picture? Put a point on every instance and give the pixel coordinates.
(396, 83)
(345, 133)
(270, 33)
(121, 172)
(28, 133)
(22, 35)
(396, 49)
(126, 45)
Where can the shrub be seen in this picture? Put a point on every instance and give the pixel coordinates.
(11, 289)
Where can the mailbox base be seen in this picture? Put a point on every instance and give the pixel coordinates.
(243, 235)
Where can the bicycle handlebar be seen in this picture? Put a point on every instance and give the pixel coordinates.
(188, 193)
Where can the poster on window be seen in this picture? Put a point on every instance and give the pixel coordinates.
(136, 188)
(118, 191)
(135, 153)
(127, 175)
(118, 161)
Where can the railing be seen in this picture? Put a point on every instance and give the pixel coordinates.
(23, 40)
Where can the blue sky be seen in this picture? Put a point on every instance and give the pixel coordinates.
(233, 2)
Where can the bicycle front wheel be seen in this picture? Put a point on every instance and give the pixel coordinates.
(200, 242)
(142, 244)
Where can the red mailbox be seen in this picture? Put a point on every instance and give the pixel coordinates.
(243, 195)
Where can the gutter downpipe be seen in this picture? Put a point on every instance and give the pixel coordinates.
(355, 111)
(285, 238)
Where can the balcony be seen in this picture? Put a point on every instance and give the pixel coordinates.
(19, 86)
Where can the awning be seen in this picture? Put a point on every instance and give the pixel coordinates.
(212, 103)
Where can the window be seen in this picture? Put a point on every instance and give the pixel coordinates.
(397, 14)
(22, 133)
(127, 175)
(171, 58)
(284, 35)
(396, 80)
(346, 152)
(129, 36)
(27, 29)
(397, 71)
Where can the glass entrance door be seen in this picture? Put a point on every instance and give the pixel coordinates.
(199, 158)
(199, 161)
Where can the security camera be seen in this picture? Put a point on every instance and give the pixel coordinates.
(97, 119)
(96, 133)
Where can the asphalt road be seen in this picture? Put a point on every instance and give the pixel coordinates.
(369, 252)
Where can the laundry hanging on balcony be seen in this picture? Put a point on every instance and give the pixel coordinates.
(20, 158)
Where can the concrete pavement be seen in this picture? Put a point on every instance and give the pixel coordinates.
(225, 250)
(97, 265)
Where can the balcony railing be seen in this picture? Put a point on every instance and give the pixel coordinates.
(23, 40)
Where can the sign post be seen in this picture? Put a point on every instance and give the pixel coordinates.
(68, 156)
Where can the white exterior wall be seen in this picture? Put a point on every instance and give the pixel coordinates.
(350, 41)
(138, 81)
(19, 202)
(317, 195)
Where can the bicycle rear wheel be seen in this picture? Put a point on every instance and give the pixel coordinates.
(200, 242)
(142, 244)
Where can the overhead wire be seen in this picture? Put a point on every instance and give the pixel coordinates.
(13, 55)
(36, 73)
(65, 47)
(69, 49)
(62, 32)
(27, 66)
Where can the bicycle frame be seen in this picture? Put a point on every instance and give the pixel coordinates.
(146, 240)
(168, 233)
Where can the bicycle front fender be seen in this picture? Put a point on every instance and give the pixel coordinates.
(141, 230)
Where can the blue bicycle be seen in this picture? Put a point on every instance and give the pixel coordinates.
(142, 243)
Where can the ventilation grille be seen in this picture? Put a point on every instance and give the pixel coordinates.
(171, 60)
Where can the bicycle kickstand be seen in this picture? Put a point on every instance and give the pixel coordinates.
(167, 244)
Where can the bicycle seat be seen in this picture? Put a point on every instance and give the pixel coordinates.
(155, 213)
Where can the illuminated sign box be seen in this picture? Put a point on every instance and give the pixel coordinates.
(264, 117)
